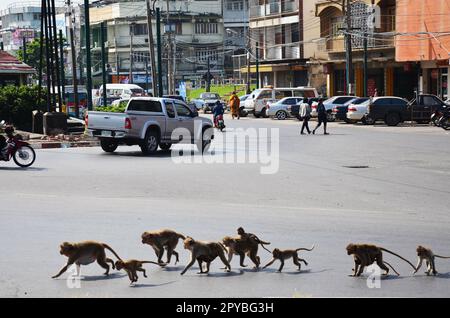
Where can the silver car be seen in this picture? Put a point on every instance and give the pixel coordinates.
(283, 108)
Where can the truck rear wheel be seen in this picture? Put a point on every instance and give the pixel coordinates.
(108, 145)
(392, 119)
(150, 143)
(165, 146)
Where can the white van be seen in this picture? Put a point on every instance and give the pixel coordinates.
(258, 99)
(122, 90)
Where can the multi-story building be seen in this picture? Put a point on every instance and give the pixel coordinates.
(197, 34)
(19, 20)
(427, 43)
(235, 23)
(377, 23)
(275, 34)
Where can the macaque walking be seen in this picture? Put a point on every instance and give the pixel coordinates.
(163, 239)
(283, 255)
(133, 266)
(85, 253)
(427, 255)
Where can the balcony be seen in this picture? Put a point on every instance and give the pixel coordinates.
(273, 8)
(283, 51)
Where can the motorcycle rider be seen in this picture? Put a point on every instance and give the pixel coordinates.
(9, 130)
(217, 111)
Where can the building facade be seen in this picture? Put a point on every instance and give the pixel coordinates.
(426, 42)
(196, 36)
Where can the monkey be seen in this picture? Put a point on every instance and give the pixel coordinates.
(163, 239)
(241, 247)
(204, 252)
(251, 237)
(84, 253)
(427, 254)
(366, 254)
(283, 255)
(133, 266)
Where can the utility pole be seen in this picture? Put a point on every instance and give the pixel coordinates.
(24, 49)
(117, 65)
(56, 55)
(151, 44)
(257, 65)
(131, 53)
(158, 38)
(61, 66)
(50, 56)
(349, 53)
(365, 64)
(208, 77)
(44, 13)
(41, 53)
(87, 32)
(74, 62)
(170, 79)
(248, 66)
(102, 40)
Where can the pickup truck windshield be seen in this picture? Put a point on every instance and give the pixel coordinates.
(145, 106)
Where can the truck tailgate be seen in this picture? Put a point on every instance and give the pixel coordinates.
(106, 121)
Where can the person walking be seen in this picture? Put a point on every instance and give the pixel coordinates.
(321, 117)
(305, 114)
(234, 105)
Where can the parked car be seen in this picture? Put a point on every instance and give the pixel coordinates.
(330, 104)
(356, 112)
(394, 110)
(340, 112)
(149, 122)
(259, 99)
(122, 90)
(179, 97)
(242, 111)
(283, 108)
(209, 101)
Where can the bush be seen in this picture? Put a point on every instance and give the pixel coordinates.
(113, 109)
(18, 103)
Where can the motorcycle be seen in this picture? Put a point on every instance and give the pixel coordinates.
(20, 151)
(219, 123)
(437, 115)
(444, 122)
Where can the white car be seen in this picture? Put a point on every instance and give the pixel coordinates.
(330, 104)
(283, 108)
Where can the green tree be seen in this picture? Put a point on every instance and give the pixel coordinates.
(33, 54)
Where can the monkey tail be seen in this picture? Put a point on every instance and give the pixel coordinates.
(181, 236)
(391, 268)
(222, 246)
(151, 262)
(112, 251)
(305, 249)
(262, 245)
(383, 249)
(439, 256)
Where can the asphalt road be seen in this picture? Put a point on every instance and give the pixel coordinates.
(399, 201)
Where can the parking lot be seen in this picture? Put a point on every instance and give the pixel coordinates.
(371, 184)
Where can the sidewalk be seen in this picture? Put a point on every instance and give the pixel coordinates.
(39, 141)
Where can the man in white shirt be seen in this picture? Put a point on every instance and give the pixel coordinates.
(305, 114)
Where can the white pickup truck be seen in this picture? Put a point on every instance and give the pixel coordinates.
(150, 122)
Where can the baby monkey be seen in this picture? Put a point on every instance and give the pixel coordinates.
(251, 238)
(283, 255)
(133, 266)
(427, 254)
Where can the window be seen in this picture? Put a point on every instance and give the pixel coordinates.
(342, 100)
(265, 94)
(430, 101)
(20, 17)
(182, 110)
(206, 28)
(139, 29)
(36, 16)
(170, 110)
(145, 106)
(202, 55)
(382, 102)
(282, 94)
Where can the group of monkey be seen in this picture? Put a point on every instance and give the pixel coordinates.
(243, 244)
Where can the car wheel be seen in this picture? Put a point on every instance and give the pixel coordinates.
(350, 121)
(242, 112)
(256, 115)
(281, 115)
(330, 117)
(263, 113)
(207, 136)
(392, 119)
(368, 121)
(151, 142)
(165, 146)
(108, 145)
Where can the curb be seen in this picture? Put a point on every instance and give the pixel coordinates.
(56, 145)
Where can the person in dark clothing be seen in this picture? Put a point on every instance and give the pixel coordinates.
(321, 117)
(217, 111)
(305, 114)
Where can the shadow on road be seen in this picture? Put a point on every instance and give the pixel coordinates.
(103, 277)
(151, 285)
(23, 169)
